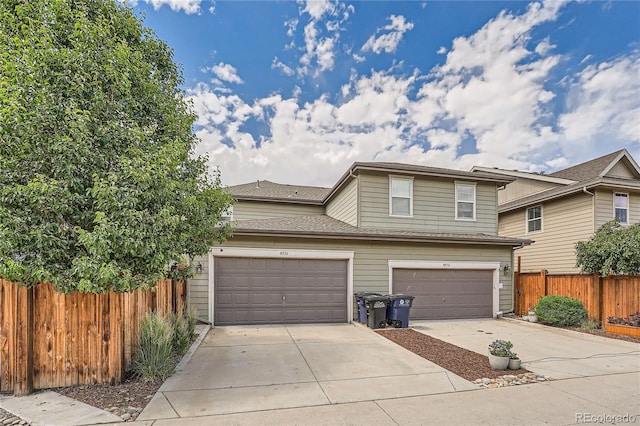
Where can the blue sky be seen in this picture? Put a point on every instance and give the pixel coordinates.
(295, 91)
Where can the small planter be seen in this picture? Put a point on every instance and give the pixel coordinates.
(532, 316)
(498, 362)
(625, 330)
(514, 363)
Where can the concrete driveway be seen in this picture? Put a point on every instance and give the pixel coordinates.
(347, 374)
(246, 369)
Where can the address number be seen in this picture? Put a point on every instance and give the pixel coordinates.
(284, 253)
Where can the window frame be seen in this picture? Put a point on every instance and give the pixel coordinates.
(474, 202)
(626, 196)
(228, 213)
(391, 196)
(527, 220)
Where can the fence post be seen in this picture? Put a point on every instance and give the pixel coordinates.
(598, 286)
(543, 275)
(24, 342)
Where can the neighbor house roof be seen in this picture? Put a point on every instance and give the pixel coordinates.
(591, 169)
(262, 189)
(323, 226)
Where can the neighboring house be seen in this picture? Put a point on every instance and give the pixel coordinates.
(299, 253)
(559, 209)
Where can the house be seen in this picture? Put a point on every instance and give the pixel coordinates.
(299, 253)
(559, 209)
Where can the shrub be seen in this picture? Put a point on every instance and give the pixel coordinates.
(560, 311)
(181, 336)
(191, 315)
(589, 325)
(153, 360)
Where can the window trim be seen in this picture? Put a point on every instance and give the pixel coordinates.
(475, 201)
(410, 197)
(527, 220)
(227, 213)
(626, 195)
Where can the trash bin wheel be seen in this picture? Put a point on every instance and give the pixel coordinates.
(382, 324)
(396, 323)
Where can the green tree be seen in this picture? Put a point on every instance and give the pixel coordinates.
(613, 249)
(100, 187)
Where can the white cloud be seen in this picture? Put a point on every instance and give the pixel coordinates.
(188, 6)
(277, 64)
(226, 72)
(491, 92)
(604, 104)
(388, 42)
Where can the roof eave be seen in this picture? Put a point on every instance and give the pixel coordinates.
(375, 237)
(278, 200)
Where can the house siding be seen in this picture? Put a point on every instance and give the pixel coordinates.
(564, 222)
(521, 188)
(246, 210)
(620, 171)
(604, 206)
(433, 206)
(344, 206)
(370, 263)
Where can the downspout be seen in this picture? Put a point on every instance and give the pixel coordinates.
(584, 189)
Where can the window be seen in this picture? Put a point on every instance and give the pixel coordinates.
(534, 219)
(465, 201)
(621, 207)
(227, 215)
(400, 196)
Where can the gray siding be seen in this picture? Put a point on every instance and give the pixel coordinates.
(371, 270)
(344, 206)
(620, 171)
(604, 206)
(198, 288)
(245, 210)
(433, 207)
(564, 222)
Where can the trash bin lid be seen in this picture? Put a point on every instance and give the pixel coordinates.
(400, 296)
(375, 297)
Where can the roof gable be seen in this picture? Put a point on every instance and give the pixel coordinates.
(600, 167)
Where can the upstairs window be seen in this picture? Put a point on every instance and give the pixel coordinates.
(400, 196)
(621, 207)
(465, 201)
(534, 219)
(227, 215)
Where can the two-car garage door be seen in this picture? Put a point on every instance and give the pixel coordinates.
(271, 291)
(446, 293)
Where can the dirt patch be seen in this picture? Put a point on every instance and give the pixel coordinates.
(465, 363)
(126, 400)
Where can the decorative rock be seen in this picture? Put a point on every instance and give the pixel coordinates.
(125, 416)
(511, 380)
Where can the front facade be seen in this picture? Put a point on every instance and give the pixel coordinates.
(299, 253)
(562, 208)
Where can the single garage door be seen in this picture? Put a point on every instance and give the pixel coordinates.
(276, 291)
(446, 293)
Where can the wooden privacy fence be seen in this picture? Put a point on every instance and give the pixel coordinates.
(604, 297)
(50, 339)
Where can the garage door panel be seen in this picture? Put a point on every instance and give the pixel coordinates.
(251, 291)
(446, 294)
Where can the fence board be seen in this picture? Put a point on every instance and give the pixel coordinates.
(76, 338)
(617, 296)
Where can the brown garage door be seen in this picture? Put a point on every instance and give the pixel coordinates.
(275, 291)
(446, 293)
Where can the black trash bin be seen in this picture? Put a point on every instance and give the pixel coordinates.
(362, 310)
(376, 311)
(398, 310)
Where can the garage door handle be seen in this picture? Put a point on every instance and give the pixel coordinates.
(283, 297)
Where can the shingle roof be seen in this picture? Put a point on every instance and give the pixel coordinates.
(432, 171)
(267, 189)
(322, 226)
(588, 171)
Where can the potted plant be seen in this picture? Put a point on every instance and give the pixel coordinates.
(514, 361)
(532, 315)
(500, 354)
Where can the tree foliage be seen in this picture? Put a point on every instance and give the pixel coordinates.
(100, 187)
(613, 249)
